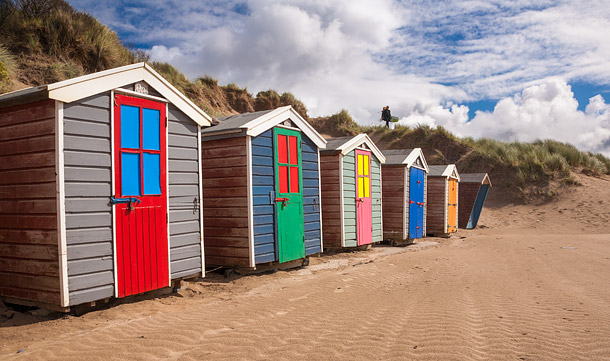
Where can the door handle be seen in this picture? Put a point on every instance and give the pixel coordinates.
(129, 200)
(360, 200)
(411, 202)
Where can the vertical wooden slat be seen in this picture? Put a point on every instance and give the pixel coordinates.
(147, 249)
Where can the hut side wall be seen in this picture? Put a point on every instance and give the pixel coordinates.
(88, 186)
(436, 217)
(311, 196)
(466, 198)
(225, 203)
(349, 199)
(331, 200)
(184, 202)
(376, 193)
(263, 179)
(29, 268)
(393, 178)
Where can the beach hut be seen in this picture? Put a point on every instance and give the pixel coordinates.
(473, 192)
(261, 185)
(442, 214)
(99, 188)
(351, 192)
(404, 179)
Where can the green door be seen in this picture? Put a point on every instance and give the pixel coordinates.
(289, 194)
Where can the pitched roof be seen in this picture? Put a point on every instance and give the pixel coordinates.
(255, 123)
(84, 86)
(406, 157)
(482, 178)
(347, 144)
(446, 170)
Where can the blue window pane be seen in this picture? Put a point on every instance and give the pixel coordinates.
(130, 127)
(130, 174)
(150, 134)
(152, 174)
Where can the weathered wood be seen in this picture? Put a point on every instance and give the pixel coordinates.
(226, 261)
(209, 163)
(28, 113)
(30, 160)
(239, 252)
(225, 182)
(30, 297)
(28, 145)
(222, 143)
(224, 232)
(40, 175)
(46, 222)
(28, 236)
(227, 193)
(229, 151)
(210, 202)
(29, 267)
(27, 251)
(15, 280)
(241, 222)
(224, 212)
(226, 242)
(48, 206)
(224, 172)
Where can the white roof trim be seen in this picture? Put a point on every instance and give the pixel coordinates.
(279, 115)
(70, 90)
(451, 172)
(487, 180)
(356, 141)
(412, 157)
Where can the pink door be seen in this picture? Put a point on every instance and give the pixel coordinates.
(364, 208)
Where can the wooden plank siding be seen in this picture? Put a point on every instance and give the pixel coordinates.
(311, 197)
(436, 218)
(29, 264)
(225, 245)
(376, 193)
(331, 200)
(349, 199)
(393, 202)
(88, 187)
(263, 188)
(184, 203)
(466, 198)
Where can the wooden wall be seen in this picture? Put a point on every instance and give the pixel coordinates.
(376, 194)
(466, 197)
(264, 206)
(29, 265)
(436, 218)
(393, 178)
(311, 196)
(225, 202)
(331, 200)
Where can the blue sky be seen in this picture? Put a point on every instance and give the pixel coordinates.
(512, 70)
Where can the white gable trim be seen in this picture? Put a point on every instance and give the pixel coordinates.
(279, 115)
(357, 141)
(70, 90)
(486, 180)
(413, 156)
(450, 172)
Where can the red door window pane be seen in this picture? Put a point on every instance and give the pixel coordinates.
(283, 179)
(282, 149)
(294, 152)
(294, 179)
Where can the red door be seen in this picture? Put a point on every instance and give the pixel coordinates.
(364, 206)
(140, 195)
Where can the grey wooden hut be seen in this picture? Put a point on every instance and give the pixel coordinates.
(350, 169)
(100, 188)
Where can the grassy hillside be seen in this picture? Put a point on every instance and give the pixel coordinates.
(524, 171)
(44, 41)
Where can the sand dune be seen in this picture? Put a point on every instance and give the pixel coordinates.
(532, 284)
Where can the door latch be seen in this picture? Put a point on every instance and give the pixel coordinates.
(283, 200)
(130, 200)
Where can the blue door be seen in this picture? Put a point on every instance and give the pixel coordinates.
(416, 203)
(478, 207)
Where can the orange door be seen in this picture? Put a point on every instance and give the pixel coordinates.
(452, 206)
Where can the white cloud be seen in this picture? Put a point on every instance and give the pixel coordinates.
(544, 111)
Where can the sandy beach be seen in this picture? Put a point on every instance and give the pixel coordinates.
(532, 283)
